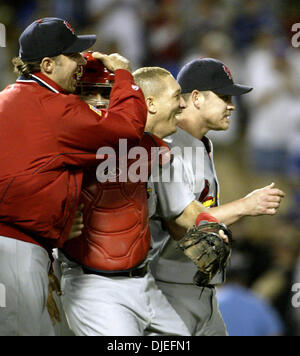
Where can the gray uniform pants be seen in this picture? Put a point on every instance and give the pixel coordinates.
(197, 307)
(116, 306)
(24, 289)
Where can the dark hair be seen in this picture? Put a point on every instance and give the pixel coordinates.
(28, 67)
(25, 68)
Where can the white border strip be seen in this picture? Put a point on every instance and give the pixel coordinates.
(49, 86)
(38, 79)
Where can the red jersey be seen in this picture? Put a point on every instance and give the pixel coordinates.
(46, 139)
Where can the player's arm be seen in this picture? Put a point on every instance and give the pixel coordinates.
(264, 201)
(189, 215)
(82, 129)
(192, 215)
(177, 204)
(179, 225)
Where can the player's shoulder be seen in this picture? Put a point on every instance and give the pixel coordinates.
(149, 139)
(182, 139)
(59, 100)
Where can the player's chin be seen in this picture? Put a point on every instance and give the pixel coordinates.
(70, 89)
(224, 125)
(72, 85)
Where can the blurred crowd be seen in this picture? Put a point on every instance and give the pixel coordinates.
(254, 39)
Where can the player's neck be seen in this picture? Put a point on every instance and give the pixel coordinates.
(198, 132)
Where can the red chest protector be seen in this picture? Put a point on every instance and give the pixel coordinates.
(116, 235)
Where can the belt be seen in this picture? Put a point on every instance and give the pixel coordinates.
(135, 272)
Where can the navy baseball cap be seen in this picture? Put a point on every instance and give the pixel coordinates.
(49, 37)
(209, 74)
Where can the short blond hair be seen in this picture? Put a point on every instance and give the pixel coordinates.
(149, 79)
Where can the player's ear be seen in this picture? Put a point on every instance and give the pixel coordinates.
(150, 101)
(47, 65)
(197, 98)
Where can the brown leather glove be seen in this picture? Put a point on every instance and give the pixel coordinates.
(204, 246)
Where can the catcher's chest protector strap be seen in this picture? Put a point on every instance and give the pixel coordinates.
(116, 235)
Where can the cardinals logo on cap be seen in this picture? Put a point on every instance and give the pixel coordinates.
(227, 71)
(69, 27)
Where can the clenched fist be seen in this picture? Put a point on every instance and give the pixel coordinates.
(264, 201)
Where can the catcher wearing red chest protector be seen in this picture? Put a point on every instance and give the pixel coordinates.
(106, 284)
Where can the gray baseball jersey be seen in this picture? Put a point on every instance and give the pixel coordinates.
(192, 177)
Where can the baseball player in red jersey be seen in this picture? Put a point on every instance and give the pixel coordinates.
(207, 87)
(47, 137)
(107, 288)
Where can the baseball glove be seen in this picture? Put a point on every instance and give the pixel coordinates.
(204, 246)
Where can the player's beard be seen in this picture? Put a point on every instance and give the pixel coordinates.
(72, 83)
(69, 86)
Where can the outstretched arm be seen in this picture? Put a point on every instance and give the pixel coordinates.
(264, 201)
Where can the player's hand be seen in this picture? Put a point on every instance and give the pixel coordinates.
(224, 236)
(54, 286)
(113, 61)
(264, 201)
(77, 227)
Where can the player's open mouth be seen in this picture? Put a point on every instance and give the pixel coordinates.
(77, 75)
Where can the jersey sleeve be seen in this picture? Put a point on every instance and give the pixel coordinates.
(82, 128)
(172, 189)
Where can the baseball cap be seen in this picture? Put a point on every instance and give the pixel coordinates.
(209, 74)
(49, 37)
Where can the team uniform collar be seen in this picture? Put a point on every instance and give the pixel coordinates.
(43, 81)
(207, 144)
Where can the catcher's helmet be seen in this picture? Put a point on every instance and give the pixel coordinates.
(95, 76)
(94, 73)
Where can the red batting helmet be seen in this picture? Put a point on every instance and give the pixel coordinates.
(94, 73)
(93, 80)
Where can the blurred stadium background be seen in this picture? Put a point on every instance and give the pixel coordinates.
(254, 39)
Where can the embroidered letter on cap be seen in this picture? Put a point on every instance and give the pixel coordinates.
(69, 27)
(227, 71)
